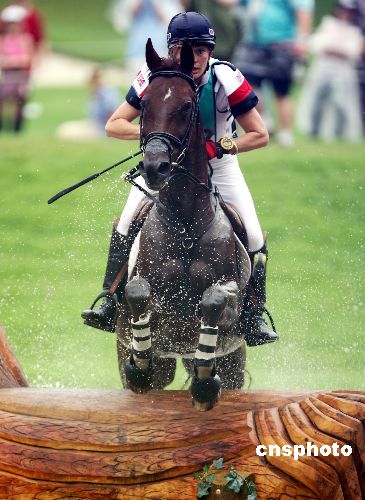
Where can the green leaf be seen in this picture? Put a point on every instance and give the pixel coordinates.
(203, 489)
(210, 478)
(235, 484)
(196, 475)
(252, 496)
(205, 468)
(218, 464)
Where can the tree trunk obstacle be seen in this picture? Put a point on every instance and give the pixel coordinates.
(86, 443)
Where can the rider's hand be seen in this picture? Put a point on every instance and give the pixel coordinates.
(216, 149)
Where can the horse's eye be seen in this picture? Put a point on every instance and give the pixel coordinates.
(185, 107)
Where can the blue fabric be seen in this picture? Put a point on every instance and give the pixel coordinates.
(273, 21)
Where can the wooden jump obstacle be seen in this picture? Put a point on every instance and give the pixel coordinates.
(76, 444)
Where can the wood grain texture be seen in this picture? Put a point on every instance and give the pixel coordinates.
(110, 444)
(116, 444)
(11, 374)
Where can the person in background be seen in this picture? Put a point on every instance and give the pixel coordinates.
(225, 21)
(329, 105)
(139, 19)
(33, 24)
(225, 97)
(359, 20)
(275, 39)
(102, 101)
(16, 56)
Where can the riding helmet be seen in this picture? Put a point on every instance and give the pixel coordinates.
(191, 26)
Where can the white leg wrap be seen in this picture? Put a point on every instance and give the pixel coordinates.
(141, 342)
(205, 352)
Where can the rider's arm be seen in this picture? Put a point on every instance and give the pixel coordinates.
(256, 134)
(120, 123)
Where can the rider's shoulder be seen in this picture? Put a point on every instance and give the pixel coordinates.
(217, 64)
(224, 70)
(140, 83)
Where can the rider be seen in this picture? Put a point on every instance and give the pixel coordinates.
(225, 97)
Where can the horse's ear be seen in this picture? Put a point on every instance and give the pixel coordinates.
(153, 60)
(186, 58)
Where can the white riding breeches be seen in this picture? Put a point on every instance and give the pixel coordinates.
(227, 176)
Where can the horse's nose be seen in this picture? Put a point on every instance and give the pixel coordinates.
(163, 168)
(155, 171)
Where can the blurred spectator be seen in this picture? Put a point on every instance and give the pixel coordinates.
(34, 25)
(16, 54)
(329, 105)
(104, 99)
(226, 24)
(360, 22)
(276, 32)
(143, 19)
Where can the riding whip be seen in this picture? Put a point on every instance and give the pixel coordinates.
(90, 178)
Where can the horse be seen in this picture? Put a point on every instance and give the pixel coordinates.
(185, 298)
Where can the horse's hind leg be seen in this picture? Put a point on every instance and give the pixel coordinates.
(139, 367)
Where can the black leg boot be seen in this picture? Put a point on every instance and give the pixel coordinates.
(257, 331)
(104, 315)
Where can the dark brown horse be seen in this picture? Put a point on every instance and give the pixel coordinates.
(185, 298)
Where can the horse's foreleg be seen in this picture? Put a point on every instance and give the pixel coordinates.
(139, 367)
(219, 308)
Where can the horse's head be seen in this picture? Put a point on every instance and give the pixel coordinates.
(168, 114)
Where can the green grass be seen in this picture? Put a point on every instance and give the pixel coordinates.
(310, 200)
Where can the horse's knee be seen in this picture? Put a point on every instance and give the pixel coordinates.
(137, 294)
(212, 305)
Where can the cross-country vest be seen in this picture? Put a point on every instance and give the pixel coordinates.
(207, 105)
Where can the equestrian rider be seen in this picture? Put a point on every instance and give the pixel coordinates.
(225, 97)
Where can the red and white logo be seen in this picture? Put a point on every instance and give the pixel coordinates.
(140, 79)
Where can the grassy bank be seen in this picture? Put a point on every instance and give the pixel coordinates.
(310, 200)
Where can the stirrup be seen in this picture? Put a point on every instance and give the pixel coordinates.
(264, 310)
(110, 327)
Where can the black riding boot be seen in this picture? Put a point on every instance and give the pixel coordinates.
(104, 316)
(257, 331)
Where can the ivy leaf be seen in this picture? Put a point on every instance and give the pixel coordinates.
(196, 475)
(235, 484)
(218, 464)
(251, 490)
(205, 468)
(210, 479)
(252, 496)
(203, 490)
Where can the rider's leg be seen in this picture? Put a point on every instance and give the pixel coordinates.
(233, 189)
(257, 332)
(104, 315)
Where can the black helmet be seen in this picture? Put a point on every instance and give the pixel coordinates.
(191, 26)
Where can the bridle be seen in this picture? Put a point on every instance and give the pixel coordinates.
(169, 139)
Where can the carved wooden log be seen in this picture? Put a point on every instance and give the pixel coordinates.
(115, 444)
(11, 374)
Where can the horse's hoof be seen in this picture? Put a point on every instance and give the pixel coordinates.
(138, 380)
(205, 392)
